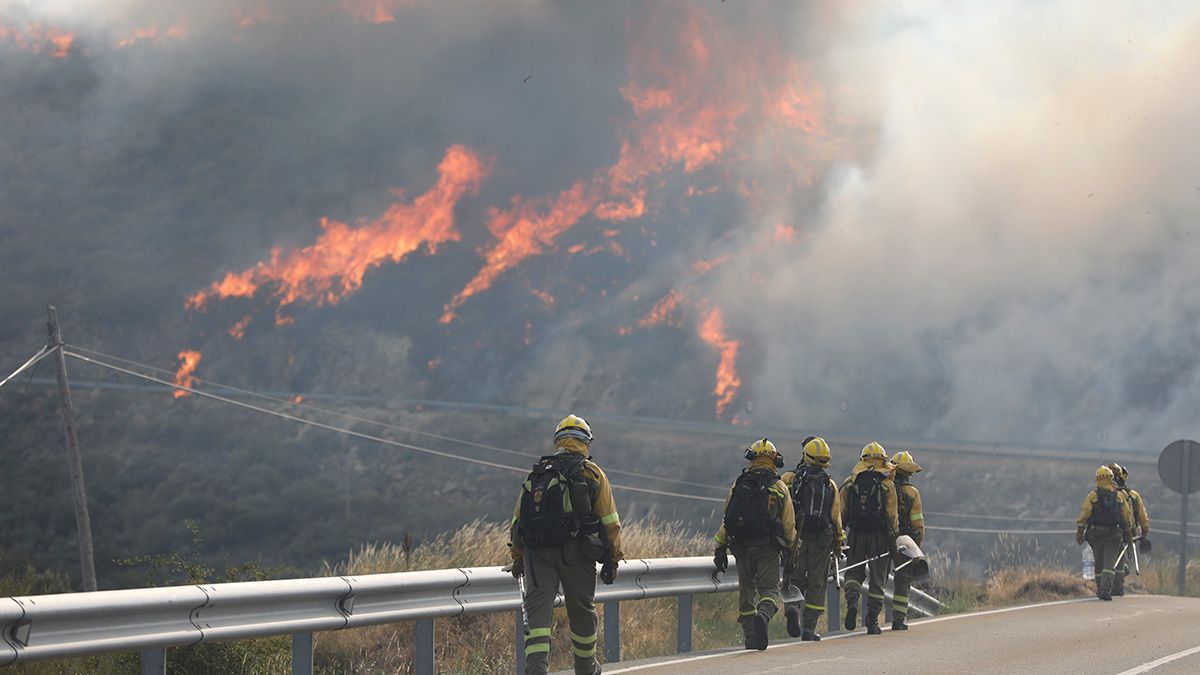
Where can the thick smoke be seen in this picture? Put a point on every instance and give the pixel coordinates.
(1005, 251)
(915, 221)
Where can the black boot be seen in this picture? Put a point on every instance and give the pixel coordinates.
(793, 620)
(810, 636)
(851, 617)
(747, 631)
(898, 622)
(761, 618)
(872, 626)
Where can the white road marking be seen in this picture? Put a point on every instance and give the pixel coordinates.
(795, 643)
(1147, 667)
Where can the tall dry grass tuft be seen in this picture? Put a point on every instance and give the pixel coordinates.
(486, 643)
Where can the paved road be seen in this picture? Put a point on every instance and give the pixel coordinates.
(1085, 636)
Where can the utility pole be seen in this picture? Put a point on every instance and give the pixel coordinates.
(83, 524)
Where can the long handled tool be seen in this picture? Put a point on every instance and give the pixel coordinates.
(524, 612)
(864, 562)
(1122, 555)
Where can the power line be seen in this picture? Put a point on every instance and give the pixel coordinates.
(385, 425)
(351, 432)
(45, 350)
(982, 530)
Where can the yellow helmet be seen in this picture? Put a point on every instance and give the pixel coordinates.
(573, 426)
(816, 451)
(904, 461)
(1119, 472)
(873, 450)
(763, 447)
(1104, 473)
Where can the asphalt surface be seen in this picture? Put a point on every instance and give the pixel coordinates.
(1087, 636)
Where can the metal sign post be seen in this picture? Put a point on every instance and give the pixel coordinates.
(1185, 473)
(1180, 471)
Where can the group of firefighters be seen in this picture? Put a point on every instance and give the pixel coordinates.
(785, 531)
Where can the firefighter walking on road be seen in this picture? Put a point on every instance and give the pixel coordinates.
(818, 508)
(758, 526)
(564, 523)
(1140, 521)
(912, 522)
(1104, 522)
(869, 512)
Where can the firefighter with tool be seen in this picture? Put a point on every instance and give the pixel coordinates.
(564, 523)
(869, 511)
(759, 525)
(1104, 522)
(1141, 520)
(818, 508)
(912, 523)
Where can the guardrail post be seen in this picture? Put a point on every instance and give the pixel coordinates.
(154, 662)
(612, 631)
(683, 631)
(423, 660)
(520, 642)
(833, 609)
(302, 654)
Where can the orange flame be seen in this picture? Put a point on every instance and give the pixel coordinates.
(188, 360)
(678, 120)
(664, 311)
(238, 330)
(40, 39)
(545, 296)
(333, 267)
(151, 34)
(373, 11)
(712, 331)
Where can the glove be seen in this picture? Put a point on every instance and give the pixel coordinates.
(721, 559)
(608, 573)
(1144, 545)
(1079, 536)
(516, 569)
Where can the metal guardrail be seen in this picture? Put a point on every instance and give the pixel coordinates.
(150, 620)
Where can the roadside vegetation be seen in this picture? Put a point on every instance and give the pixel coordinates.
(480, 644)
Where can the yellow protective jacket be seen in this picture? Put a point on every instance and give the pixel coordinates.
(604, 507)
(778, 501)
(890, 505)
(1125, 513)
(790, 476)
(1137, 506)
(915, 525)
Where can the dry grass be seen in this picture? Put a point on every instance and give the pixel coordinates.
(486, 643)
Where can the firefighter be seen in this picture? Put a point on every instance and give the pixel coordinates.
(818, 508)
(912, 522)
(564, 523)
(1140, 521)
(1104, 522)
(869, 512)
(758, 526)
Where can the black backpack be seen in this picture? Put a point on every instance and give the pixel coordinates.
(1104, 509)
(865, 502)
(812, 498)
(748, 515)
(554, 501)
